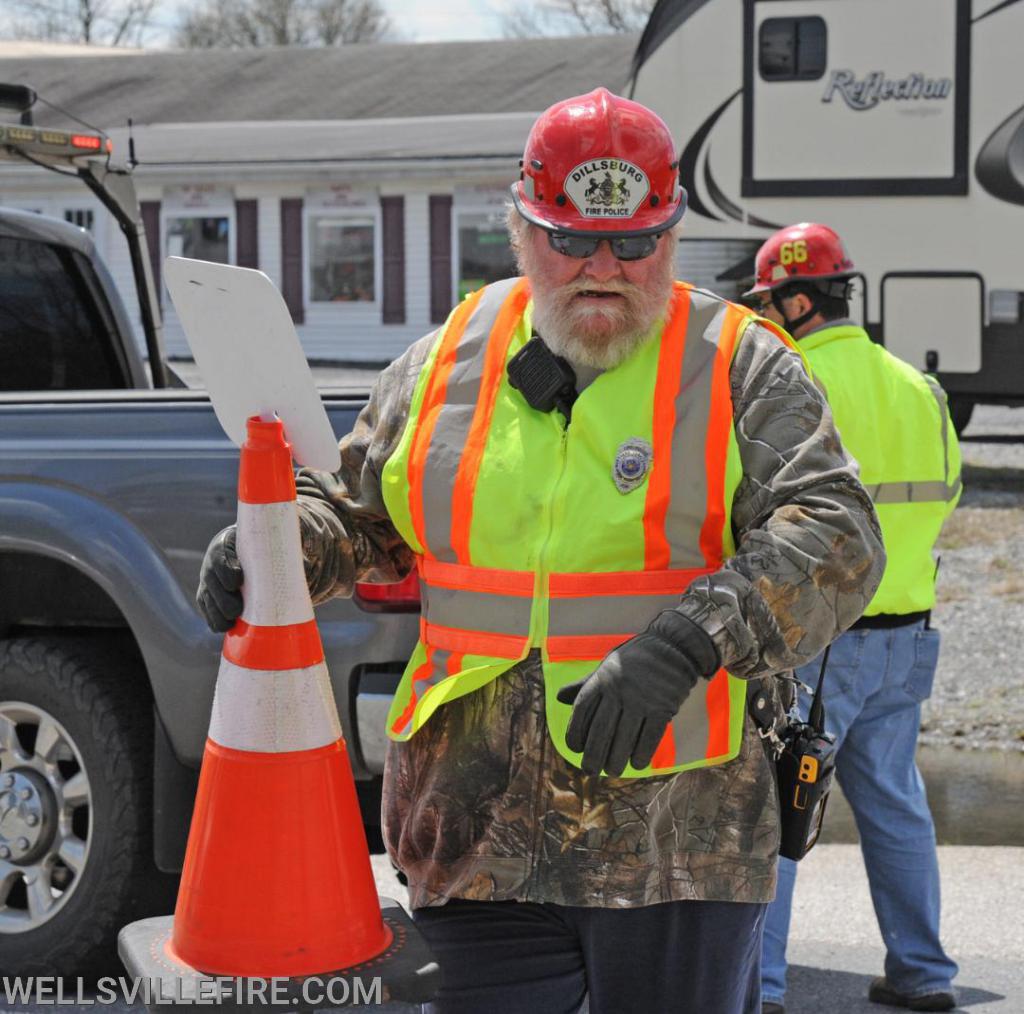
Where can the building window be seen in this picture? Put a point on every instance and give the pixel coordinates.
(792, 49)
(342, 258)
(482, 251)
(205, 238)
(82, 217)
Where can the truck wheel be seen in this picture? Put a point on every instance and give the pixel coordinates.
(75, 780)
(960, 411)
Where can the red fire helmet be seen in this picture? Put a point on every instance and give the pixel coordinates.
(600, 165)
(806, 250)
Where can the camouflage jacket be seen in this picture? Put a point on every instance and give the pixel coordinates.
(480, 805)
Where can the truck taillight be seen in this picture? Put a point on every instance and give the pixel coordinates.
(401, 597)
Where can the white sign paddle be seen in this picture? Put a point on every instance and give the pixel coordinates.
(244, 343)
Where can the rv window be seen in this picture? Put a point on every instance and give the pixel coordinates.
(792, 49)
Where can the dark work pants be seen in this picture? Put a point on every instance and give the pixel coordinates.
(679, 957)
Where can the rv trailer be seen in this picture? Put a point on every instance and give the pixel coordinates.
(900, 123)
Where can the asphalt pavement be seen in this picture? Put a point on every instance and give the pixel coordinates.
(835, 948)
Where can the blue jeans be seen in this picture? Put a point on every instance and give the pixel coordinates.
(874, 685)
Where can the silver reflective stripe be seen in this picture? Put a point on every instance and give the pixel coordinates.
(481, 611)
(270, 553)
(940, 396)
(455, 419)
(691, 727)
(279, 711)
(929, 491)
(606, 614)
(688, 501)
(438, 671)
(913, 492)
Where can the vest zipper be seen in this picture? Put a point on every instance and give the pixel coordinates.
(539, 628)
(538, 633)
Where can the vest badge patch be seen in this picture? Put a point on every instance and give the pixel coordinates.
(632, 463)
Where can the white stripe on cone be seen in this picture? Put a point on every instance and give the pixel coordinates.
(278, 711)
(270, 552)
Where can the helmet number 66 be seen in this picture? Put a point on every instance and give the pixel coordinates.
(793, 253)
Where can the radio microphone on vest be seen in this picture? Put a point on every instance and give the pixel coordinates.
(545, 380)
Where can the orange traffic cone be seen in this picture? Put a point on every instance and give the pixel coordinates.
(277, 878)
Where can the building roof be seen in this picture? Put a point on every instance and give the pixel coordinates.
(357, 82)
(424, 143)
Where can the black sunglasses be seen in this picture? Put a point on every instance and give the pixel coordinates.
(625, 248)
(757, 303)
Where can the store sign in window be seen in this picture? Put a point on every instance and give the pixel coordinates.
(204, 238)
(342, 260)
(484, 252)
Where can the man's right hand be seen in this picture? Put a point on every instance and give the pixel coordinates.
(220, 579)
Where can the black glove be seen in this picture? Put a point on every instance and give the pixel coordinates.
(220, 579)
(622, 708)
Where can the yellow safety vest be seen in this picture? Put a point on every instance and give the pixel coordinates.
(895, 422)
(533, 535)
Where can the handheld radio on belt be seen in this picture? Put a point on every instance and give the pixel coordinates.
(805, 768)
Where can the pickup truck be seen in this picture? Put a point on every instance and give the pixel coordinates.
(111, 486)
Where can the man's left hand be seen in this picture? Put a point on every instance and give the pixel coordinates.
(622, 708)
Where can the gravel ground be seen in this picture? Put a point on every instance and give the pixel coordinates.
(977, 700)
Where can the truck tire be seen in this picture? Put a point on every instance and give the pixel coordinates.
(960, 411)
(75, 784)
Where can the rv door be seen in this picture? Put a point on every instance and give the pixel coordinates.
(880, 87)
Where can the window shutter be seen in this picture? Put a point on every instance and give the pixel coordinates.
(247, 243)
(440, 257)
(291, 257)
(393, 219)
(151, 223)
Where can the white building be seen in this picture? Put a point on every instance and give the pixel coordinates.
(368, 182)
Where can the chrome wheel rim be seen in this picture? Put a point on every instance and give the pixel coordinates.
(45, 817)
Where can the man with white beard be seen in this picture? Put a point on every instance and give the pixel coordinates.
(625, 499)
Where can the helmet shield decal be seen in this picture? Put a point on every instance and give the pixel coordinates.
(607, 188)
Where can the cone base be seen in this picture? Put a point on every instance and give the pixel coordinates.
(277, 878)
(407, 973)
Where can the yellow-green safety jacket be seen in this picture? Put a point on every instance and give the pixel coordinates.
(895, 422)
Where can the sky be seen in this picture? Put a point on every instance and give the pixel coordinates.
(419, 21)
(413, 20)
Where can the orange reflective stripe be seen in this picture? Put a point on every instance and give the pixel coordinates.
(433, 401)
(657, 552)
(716, 444)
(583, 647)
(465, 577)
(716, 697)
(619, 582)
(422, 673)
(780, 332)
(472, 642)
(665, 755)
(464, 488)
(291, 646)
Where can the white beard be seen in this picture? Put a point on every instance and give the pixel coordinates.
(594, 336)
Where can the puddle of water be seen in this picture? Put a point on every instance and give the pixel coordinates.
(976, 798)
